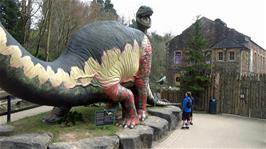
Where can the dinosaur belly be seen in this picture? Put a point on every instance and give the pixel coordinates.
(117, 66)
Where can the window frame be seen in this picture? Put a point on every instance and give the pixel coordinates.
(180, 57)
(229, 56)
(218, 56)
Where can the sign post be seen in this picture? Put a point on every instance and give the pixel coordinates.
(105, 117)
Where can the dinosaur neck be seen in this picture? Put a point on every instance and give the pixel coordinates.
(29, 78)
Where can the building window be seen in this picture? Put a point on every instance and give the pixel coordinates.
(220, 56)
(177, 79)
(178, 57)
(231, 56)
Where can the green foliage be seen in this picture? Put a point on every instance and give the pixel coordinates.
(196, 76)
(10, 17)
(84, 127)
(109, 7)
(158, 67)
(106, 10)
(133, 23)
(70, 118)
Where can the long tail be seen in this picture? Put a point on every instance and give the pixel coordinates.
(29, 78)
(152, 100)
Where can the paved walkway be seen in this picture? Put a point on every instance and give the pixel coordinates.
(218, 131)
(26, 113)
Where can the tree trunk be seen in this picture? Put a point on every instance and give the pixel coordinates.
(27, 18)
(41, 33)
(49, 9)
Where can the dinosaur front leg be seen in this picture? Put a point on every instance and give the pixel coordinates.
(121, 94)
(56, 114)
(141, 98)
(142, 81)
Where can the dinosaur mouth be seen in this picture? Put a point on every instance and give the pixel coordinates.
(145, 21)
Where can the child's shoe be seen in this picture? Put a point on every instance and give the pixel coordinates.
(186, 126)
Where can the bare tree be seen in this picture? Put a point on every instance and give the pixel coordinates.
(49, 22)
(27, 12)
(60, 18)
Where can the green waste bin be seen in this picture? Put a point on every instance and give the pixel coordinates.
(212, 106)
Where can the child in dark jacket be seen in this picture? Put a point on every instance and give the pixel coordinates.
(186, 110)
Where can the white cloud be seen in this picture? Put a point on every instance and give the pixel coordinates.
(174, 16)
(246, 16)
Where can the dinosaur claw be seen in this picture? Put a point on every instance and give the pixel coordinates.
(142, 115)
(131, 122)
(131, 126)
(125, 126)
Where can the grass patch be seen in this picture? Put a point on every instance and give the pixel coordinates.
(81, 129)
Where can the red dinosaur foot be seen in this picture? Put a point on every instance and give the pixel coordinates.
(131, 122)
(142, 115)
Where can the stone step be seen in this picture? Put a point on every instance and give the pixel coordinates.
(106, 142)
(26, 141)
(139, 137)
(158, 125)
(170, 113)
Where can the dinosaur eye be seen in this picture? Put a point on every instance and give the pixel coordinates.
(145, 18)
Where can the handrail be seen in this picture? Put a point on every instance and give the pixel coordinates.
(9, 110)
(8, 113)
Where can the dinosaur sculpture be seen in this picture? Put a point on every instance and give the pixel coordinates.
(97, 61)
(104, 61)
(143, 23)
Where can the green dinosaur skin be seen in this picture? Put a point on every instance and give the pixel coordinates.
(143, 21)
(54, 83)
(15, 81)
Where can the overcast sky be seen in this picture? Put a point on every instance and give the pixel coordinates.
(174, 16)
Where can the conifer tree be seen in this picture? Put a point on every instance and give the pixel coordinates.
(10, 17)
(197, 71)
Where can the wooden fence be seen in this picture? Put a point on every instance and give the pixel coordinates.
(234, 94)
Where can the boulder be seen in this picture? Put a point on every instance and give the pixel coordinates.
(26, 141)
(105, 142)
(166, 114)
(139, 137)
(159, 125)
(176, 111)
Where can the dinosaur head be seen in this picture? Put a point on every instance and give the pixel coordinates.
(143, 18)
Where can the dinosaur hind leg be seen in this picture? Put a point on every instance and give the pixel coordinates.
(121, 94)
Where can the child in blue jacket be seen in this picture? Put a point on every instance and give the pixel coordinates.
(186, 110)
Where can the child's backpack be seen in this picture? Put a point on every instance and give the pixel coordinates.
(189, 104)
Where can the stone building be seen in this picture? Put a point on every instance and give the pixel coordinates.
(231, 50)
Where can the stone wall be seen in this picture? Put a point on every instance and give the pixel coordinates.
(161, 121)
(226, 65)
